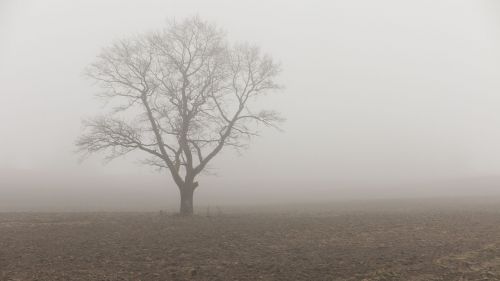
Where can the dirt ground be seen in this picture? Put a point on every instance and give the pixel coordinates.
(353, 244)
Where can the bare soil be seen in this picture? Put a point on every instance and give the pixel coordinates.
(384, 244)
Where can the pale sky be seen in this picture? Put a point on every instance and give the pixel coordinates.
(374, 90)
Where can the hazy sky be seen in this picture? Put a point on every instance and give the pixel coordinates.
(387, 89)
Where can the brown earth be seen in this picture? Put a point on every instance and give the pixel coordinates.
(425, 245)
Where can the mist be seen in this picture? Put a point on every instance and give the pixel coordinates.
(382, 99)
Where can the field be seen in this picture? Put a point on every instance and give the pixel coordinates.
(359, 241)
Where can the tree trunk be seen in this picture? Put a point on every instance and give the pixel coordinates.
(187, 201)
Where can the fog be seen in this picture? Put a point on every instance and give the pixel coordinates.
(383, 99)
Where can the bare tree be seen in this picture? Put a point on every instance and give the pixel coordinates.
(180, 96)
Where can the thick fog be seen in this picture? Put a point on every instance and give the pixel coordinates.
(382, 99)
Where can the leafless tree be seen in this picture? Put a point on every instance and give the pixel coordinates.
(179, 95)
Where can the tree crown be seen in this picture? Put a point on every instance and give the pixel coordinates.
(180, 95)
